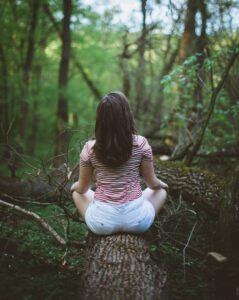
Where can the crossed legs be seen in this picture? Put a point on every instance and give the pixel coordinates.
(156, 197)
(82, 201)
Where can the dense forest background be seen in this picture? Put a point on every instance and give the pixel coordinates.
(177, 62)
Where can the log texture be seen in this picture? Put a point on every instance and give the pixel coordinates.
(120, 267)
(204, 189)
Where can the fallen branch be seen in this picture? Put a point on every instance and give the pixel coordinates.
(36, 218)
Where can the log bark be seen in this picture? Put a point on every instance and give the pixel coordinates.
(120, 267)
(200, 187)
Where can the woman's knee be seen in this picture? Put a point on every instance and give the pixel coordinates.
(163, 194)
(88, 196)
(160, 200)
(76, 196)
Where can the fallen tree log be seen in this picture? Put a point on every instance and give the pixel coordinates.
(201, 187)
(24, 189)
(120, 267)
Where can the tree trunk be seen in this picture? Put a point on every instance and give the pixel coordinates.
(187, 45)
(4, 105)
(20, 125)
(4, 109)
(120, 267)
(191, 44)
(32, 140)
(126, 80)
(140, 77)
(62, 108)
(186, 48)
(233, 93)
(91, 85)
(21, 122)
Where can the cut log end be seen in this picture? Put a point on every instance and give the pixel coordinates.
(120, 267)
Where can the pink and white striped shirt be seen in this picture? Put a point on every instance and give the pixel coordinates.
(121, 184)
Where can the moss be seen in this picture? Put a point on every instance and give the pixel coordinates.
(29, 235)
(185, 170)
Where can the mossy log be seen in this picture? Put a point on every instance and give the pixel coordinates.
(201, 187)
(119, 267)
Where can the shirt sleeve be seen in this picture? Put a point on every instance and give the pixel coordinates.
(85, 156)
(147, 154)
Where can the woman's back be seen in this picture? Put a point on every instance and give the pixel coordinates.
(118, 184)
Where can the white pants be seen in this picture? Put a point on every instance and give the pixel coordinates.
(135, 216)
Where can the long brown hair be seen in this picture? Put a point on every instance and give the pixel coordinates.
(113, 129)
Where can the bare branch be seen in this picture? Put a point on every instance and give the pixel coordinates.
(36, 218)
(213, 99)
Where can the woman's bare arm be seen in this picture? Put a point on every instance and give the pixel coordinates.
(148, 174)
(82, 185)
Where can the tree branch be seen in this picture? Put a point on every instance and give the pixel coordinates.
(36, 218)
(213, 99)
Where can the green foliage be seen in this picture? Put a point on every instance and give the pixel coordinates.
(97, 44)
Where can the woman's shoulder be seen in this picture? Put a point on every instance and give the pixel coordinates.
(89, 145)
(139, 140)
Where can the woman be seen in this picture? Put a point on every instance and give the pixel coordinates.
(117, 157)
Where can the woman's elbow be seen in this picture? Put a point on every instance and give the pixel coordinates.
(82, 190)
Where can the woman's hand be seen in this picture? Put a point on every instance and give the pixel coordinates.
(163, 185)
(159, 184)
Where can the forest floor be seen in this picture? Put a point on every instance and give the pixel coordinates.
(50, 271)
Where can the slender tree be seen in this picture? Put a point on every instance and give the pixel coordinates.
(27, 67)
(140, 83)
(62, 106)
(191, 44)
(4, 111)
